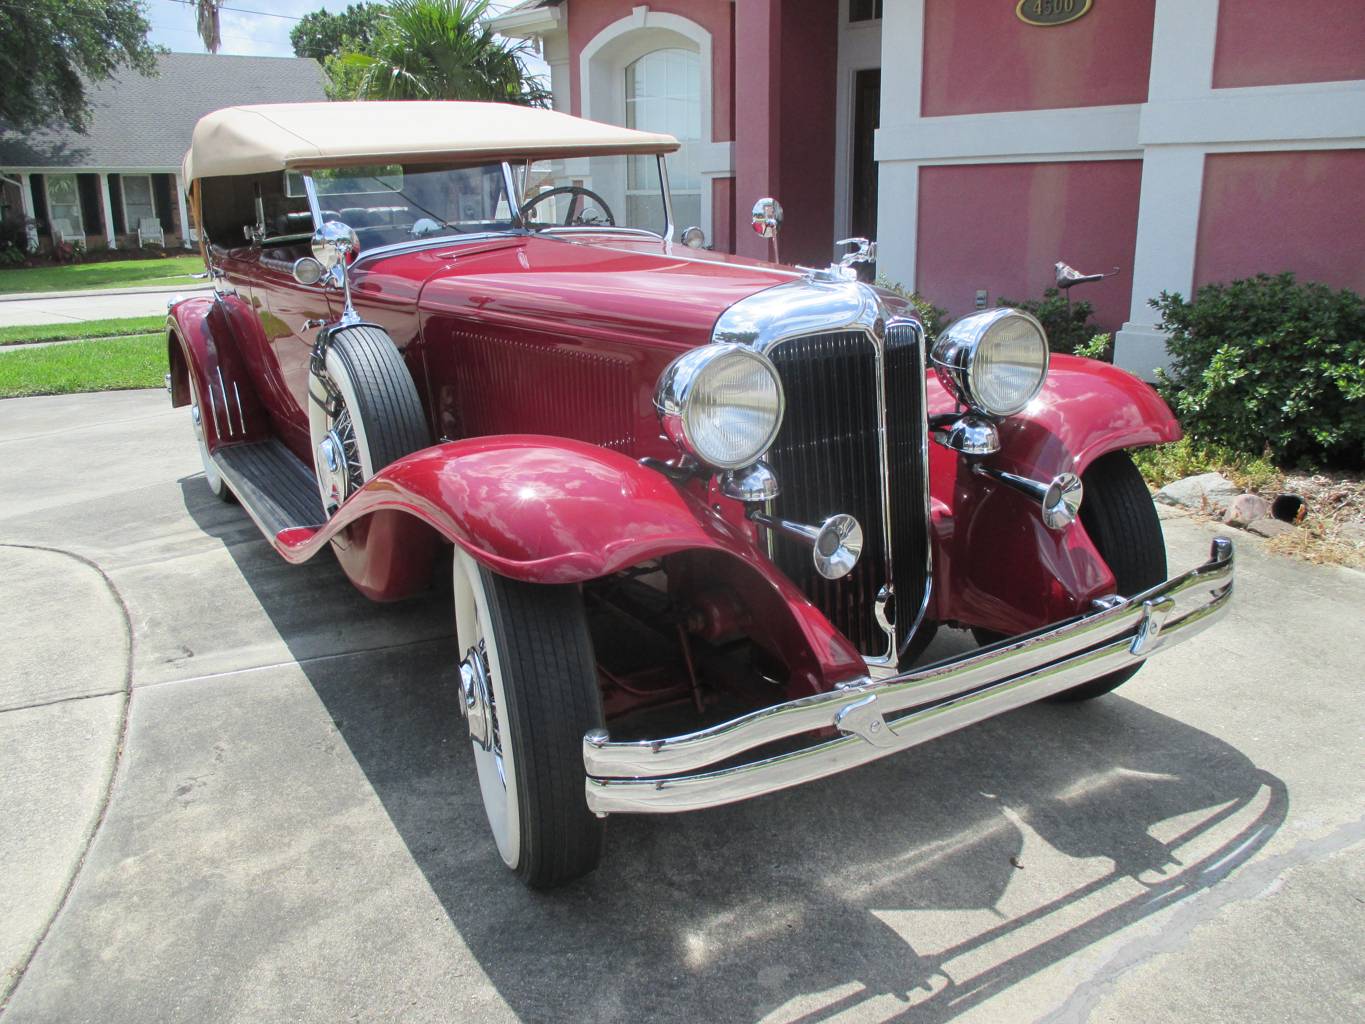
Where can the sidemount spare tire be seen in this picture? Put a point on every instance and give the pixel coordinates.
(364, 411)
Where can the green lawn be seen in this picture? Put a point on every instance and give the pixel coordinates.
(110, 365)
(89, 329)
(169, 270)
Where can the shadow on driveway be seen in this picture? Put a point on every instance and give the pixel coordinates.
(924, 883)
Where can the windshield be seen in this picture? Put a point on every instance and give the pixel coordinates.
(395, 203)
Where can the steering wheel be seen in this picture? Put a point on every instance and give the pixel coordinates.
(573, 216)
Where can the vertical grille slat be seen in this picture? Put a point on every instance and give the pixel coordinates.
(827, 457)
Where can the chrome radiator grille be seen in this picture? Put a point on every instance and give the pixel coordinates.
(828, 459)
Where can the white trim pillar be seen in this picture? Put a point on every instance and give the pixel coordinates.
(184, 212)
(1167, 233)
(1184, 36)
(107, 209)
(26, 203)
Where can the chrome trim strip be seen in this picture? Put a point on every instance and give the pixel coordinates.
(238, 396)
(645, 775)
(227, 409)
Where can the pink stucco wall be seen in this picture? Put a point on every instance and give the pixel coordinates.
(784, 107)
(1271, 42)
(979, 57)
(1270, 212)
(1001, 227)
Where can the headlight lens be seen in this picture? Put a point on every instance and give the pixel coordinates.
(720, 403)
(994, 361)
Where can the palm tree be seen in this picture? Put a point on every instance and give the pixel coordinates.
(206, 21)
(436, 50)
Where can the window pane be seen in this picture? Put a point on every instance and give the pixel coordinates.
(663, 94)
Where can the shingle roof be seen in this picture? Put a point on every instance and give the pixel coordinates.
(139, 122)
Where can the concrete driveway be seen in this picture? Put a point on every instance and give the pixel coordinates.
(78, 307)
(233, 790)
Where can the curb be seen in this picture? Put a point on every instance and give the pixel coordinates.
(196, 286)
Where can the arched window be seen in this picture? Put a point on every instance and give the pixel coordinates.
(663, 94)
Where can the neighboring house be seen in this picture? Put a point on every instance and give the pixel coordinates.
(118, 186)
(1182, 141)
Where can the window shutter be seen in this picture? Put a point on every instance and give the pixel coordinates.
(88, 185)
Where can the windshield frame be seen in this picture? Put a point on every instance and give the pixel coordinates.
(518, 226)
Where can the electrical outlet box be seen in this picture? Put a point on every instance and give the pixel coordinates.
(981, 298)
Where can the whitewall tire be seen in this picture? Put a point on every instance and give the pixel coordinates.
(528, 691)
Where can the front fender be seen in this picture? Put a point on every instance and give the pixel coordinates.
(553, 510)
(996, 564)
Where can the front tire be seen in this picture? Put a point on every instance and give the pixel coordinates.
(1120, 517)
(529, 693)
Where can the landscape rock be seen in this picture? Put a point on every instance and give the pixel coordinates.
(1246, 508)
(1269, 527)
(1208, 492)
(1352, 533)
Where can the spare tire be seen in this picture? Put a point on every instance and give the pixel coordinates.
(364, 414)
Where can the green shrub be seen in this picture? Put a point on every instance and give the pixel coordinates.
(1267, 364)
(1162, 463)
(932, 317)
(1101, 346)
(1068, 326)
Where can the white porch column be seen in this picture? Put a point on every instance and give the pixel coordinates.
(26, 202)
(107, 208)
(1183, 40)
(184, 213)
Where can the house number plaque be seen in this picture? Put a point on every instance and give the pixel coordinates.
(1046, 13)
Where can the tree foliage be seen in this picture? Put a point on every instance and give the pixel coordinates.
(324, 34)
(207, 24)
(435, 50)
(51, 49)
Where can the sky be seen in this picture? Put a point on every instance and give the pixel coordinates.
(249, 27)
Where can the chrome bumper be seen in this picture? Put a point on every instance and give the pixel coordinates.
(879, 718)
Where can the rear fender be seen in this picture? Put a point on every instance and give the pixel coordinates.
(995, 564)
(202, 342)
(552, 510)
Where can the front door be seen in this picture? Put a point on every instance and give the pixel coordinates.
(867, 93)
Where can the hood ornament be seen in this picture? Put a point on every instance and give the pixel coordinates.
(864, 251)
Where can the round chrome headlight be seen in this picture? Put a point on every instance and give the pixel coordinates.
(720, 403)
(994, 361)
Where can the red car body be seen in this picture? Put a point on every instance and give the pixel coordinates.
(536, 360)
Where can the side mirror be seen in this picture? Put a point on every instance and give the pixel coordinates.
(308, 271)
(333, 242)
(767, 217)
(694, 238)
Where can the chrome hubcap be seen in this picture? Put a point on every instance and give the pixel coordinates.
(333, 468)
(476, 701)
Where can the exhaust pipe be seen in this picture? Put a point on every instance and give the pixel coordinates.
(836, 543)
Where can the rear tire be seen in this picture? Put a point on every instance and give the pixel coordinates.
(541, 676)
(1120, 517)
(212, 476)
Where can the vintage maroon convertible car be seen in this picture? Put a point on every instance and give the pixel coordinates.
(705, 512)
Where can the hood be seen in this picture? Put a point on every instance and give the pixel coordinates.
(603, 285)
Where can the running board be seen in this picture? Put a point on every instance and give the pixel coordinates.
(277, 490)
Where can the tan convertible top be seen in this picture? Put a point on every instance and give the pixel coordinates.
(276, 136)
